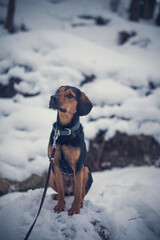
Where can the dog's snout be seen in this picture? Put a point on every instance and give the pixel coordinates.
(53, 101)
(54, 98)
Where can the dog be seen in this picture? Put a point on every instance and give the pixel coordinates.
(70, 174)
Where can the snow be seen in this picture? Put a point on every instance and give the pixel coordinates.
(126, 206)
(60, 48)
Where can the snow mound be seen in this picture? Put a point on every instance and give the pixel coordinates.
(16, 218)
(125, 91)
(123, 204)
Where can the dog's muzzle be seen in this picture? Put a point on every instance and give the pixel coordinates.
(54, 103)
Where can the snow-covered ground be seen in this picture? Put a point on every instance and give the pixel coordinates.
(58, 49)
(123, 204)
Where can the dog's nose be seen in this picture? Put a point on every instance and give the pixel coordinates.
(54, 98)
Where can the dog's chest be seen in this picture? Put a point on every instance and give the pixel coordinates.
(68, 159)
(65, 166)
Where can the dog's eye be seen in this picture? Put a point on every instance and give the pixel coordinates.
(70, 95)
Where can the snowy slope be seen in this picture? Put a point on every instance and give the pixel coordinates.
(123, 204)
(58, 49)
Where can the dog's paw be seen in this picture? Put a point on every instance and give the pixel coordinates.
(75, 209)
(59, 207)
(55, 196)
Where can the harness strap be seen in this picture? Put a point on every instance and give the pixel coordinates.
(66, 131)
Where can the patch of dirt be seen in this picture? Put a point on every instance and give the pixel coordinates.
(101, 230)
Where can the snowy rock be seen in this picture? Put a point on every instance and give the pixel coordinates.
(33, 182)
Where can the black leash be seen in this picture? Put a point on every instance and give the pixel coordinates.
(46, 184)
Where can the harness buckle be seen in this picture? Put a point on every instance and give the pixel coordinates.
(51, 159)
(69, 131)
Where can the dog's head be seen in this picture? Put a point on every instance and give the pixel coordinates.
(70, 100)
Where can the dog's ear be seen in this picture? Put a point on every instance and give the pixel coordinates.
(84, 105)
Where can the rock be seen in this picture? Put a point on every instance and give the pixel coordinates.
(32, 182)
(124, 36)
(8, 91)
(87, 79)
(98, 20)
(121, 151)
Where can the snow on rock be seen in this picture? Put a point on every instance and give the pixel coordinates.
(122, 204)
(115, 93)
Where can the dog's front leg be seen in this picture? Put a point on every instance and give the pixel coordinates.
(59, 184)
(78, 183)
(58, 179)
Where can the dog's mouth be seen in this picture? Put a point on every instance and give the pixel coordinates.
(54, 106)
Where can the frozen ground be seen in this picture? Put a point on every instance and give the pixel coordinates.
(58, 49)
(123, 204)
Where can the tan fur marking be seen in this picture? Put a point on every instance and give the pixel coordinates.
(69, 104)
(68, 182)
(52, 182)
(71, 154)
(56, 180)
(62, 89)
(60, 189)
(78, 180)
(85, 179)
(65, 118)
(49, 150)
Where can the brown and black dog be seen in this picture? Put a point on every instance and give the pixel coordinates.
(70, 174)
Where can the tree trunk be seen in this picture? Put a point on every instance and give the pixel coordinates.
(134, 10)
(158, 16)
(148, 9)
(114, 5)
(10, 16)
